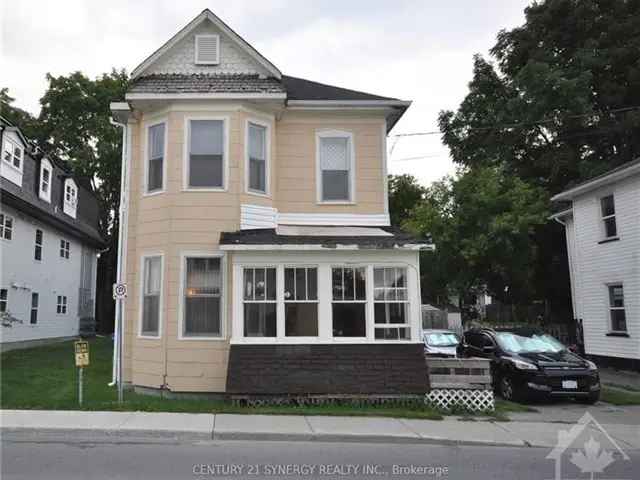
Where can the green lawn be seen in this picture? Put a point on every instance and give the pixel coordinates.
(617, 396)
(45, 378)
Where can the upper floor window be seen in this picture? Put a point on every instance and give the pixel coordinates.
(335, 170)
(257, 167)
(206, 154)
(37, 254)
(12, 154)
(616, 308)
(64, 248)
(6, 226)
(70, 201)
(61, 305)
(608, 209)
(155, 158)
(46, 171)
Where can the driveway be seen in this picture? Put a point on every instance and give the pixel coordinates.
(570, 412)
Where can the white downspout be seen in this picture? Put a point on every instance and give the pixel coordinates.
(122, 248)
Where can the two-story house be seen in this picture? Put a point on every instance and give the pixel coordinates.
(259, 257)
(49, 242)
(602, 228)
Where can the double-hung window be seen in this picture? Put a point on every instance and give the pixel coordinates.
(608, 209)
(335, 167)
(349, 304)
(151, 296)
(61, 305)
(202, 310)
(155, 157)
(37, 254)
(70, 203)
(206, 154)
(64, 248)
(301, 301)
(259, 302)
(12, 154)
(257, 158)
(616, 308)
(46, 170)
(35, 299)
(391, 304)
(6, 227)
(4, 298)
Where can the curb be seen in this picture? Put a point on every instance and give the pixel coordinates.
(133, 434)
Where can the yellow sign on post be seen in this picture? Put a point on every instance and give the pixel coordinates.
(82, 353)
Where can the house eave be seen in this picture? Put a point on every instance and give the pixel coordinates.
(206, 96)
(320, 247)
(562, 214)
(345, 104)
(606, 179)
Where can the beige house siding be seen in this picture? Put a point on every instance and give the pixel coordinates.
(176, 221)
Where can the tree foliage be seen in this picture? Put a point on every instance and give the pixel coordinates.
(482, 224)
(404, 194)
(16, 116)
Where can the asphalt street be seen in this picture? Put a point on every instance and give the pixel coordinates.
(31, 456)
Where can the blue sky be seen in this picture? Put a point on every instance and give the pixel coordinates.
(415, 50)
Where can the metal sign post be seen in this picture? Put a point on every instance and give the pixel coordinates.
(119, 294)
(82, 360)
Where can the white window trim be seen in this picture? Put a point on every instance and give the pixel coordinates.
(352, 167)
(610, 308)
(10, 164)
(277, 302)
(225, 155)
(36, 245)
(223, 293)
(36, 308)
(267, 168)
(45, 164)
(145, 179)
(368, 303)
(300, 338)
(65, 303)
(13, 227)
(604, 217)
(407, 302)
(70, 208)
(325, 301)
(68, 249)
(195, 49)
(143, 257)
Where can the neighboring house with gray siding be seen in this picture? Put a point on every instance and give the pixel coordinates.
(603, 241)
(49, 242)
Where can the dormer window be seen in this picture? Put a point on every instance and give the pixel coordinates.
(12, 160)
(207, 49)
(70, 201)
(46, 172)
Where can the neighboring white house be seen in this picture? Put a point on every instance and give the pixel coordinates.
(603, 241)
(48, 246)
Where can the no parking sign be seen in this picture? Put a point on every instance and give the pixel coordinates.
(119, 291)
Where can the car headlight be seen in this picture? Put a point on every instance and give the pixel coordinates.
(592, 366)
(521, 365)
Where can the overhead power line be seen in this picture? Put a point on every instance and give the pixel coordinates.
(522, 124)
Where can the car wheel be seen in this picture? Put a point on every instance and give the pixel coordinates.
(507, 390)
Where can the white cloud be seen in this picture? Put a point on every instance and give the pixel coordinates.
(416, 50)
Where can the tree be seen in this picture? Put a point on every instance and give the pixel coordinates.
(558, 102)
(404, 194)
(482, 225)
(16, 116)
(74, 124)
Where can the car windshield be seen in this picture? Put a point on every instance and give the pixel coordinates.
(542, 343)
(441, 339)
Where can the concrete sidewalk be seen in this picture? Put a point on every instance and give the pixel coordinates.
(196, 427)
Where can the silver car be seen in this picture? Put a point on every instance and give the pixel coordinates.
(440, 343)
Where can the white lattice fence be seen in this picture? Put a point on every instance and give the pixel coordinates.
(465, 399)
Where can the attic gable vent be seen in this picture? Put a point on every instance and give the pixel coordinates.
(207, 49)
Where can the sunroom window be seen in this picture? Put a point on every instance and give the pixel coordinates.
(301, 301)
(349, 301)
(391, 304)
(259, 298)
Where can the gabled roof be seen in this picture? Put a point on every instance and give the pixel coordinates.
(301, 89)
(623, 171)
(207, 15)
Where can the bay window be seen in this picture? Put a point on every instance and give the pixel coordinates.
(259, 302)
(257, 158)
(206, 154)
(151, 296)
(155, 158)
(391, 304)
(202, 302)
(349, 301)
(301, 301)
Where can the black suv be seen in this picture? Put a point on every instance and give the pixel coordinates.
(527, 363)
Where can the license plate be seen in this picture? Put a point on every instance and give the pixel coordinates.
(569, 384)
